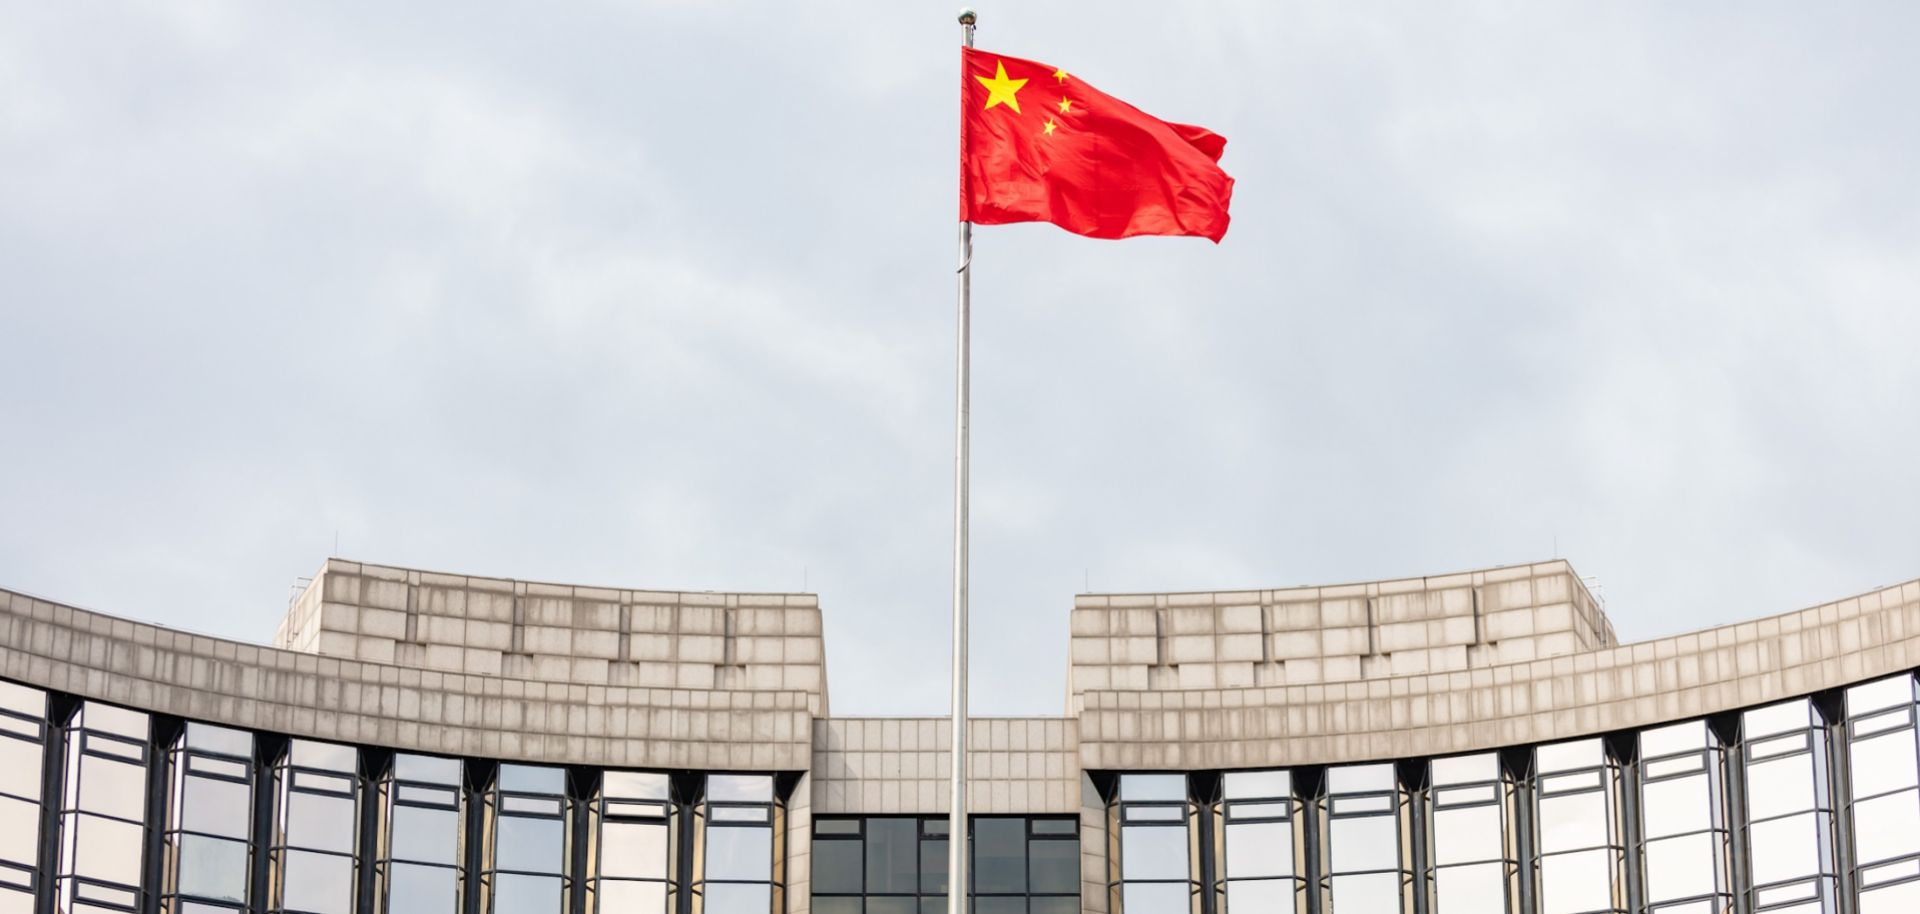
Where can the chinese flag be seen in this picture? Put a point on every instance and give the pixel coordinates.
(1039, 145)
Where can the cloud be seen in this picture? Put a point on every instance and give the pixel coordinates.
(663, 298)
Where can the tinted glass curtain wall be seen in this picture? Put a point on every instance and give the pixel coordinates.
(1809, 806)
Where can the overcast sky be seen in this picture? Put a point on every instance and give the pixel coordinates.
(662, 297)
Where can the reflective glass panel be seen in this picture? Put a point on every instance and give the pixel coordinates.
(1576, 883)
(213, 868)
(530, 845)
(739, 853)
(893, 856)
(1375, 892)
(1155, 897)
(1053, 866)
(309, 754)
(427, 769)
(739, 788)
(1153, 852)
(1152, 787)
(113, 787)
(1364, 843)
(19, 767)
(1258, 849)
(1477, 889)
(1256, 784)
(621, 897)
(216, 807)
(19, 832)
(414, 889)
(836, 867)
(1000, 856)
(636, 785)
(221, 740)
(738, 898)
(318, 883)
(320, 822)
(107, 849)
(634, 849)
(520, 894)
(425, 835)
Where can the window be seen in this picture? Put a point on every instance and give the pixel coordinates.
(23, 726)
(103, 806)
(421, 840)
(634, 859)
(1259, 844)
(1581, 852)
(526, 841)
(210, 820)
(1789, 814)
(1683, 849)
(1367, 857)
(1158, 852)
(1885, 795)
(898, 865)
(316, 830)
(741, 846)
(1471, 867)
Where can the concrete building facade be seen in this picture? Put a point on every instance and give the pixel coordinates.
(1476, 742)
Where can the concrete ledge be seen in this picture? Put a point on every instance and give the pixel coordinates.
(158, 669)
(1597, 691)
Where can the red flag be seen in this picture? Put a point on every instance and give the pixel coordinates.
(1039, 145)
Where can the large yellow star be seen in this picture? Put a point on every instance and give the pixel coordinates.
(1001, 89)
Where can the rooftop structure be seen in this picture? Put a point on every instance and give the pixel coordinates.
(1476, 741)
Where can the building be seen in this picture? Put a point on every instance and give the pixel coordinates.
(422, 743)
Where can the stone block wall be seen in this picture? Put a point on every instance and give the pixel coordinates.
(560, 633)
(1259, 638)
(890, 766)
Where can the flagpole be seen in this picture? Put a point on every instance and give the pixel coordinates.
(957, 838)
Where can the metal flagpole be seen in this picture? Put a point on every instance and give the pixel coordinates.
(957, 883)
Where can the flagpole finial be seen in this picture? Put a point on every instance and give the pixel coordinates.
(968, 16)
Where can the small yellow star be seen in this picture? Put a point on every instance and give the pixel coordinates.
(1001, 89)
(1047, 129)
(1066, 104)
(1060, 75)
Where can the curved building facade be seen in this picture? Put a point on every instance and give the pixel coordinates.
(1478, 743)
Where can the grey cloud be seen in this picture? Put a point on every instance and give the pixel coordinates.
(661, 296)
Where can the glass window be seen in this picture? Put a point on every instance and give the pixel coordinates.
(104, 805)
(739, 852)
(1470, 803)
(892, 856)
(897, 865)
(212, 818)
(741, 855)
(636, 820)
(1788, 813)
(1581, 852)
(1884, 795)
(421, 840)
(1366, 860)
(1053, 865)
(738, 898)
(1684, 850)
(315, 843)
(1257, 840)
(1155, 864)
(526, 811)
(837, 862)
(1000, 856)
(22, 743)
